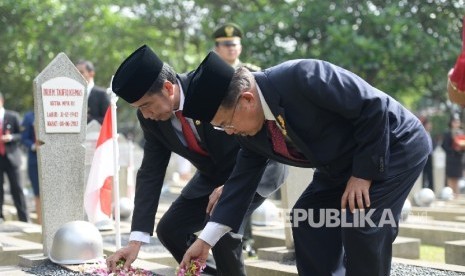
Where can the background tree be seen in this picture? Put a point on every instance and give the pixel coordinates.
(402, 47)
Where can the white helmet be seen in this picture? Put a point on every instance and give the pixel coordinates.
(76, 242)
(406, 209)
(447, 193)
(424, 197)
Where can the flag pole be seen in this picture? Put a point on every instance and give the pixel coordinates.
(114, 129)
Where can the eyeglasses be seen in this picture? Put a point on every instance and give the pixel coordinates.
(229, 126)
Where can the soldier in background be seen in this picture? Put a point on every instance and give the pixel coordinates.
(228, 46)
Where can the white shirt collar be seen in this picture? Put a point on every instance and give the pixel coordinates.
(90, 85)
(181, 97)
(266, 109)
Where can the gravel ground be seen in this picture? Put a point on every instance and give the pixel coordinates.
(404, 270)
(51, 269)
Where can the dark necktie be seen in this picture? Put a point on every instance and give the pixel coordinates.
(279, 143)
(192, 142)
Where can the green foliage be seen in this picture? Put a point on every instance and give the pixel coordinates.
(402, 47)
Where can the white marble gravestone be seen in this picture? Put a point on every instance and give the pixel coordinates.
(439, 169)
(60, 105)
(296, 182)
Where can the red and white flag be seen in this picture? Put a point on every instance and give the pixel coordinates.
(98, 194)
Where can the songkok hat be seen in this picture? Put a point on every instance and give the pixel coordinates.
(207, 88)
(228, 34)
(136, 74)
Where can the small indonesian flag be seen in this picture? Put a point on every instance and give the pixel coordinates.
(98, 194)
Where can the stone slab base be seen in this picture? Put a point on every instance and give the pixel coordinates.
(455, 252)
(12, 271)
(22, 230)
(408, 248)
(264, 239)
(269, 268)
(432, 235)
(11, 248)
(277, 254)
(31, 260)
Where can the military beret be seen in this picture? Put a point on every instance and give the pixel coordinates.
(227, 32)
(207, 88)
(136, 74)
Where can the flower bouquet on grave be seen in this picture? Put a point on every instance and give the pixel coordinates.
(194, 269)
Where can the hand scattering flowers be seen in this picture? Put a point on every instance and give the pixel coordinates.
(194, 269)
(100, 269)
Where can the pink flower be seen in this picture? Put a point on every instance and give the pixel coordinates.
(100, 269)
(194, 269)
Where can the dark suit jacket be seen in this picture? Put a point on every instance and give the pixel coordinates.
(340, 123)
(11, 124)
(97, 104)
(212, 171)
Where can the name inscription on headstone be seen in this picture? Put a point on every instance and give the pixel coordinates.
(62, 99)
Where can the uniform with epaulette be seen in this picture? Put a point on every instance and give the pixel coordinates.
(230, 34)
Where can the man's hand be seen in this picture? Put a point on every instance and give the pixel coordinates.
(356, 193)
(6, 138)
(213, 199)
(128, 253)
(197, 251)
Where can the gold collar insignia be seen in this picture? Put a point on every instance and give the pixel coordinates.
(282, 124)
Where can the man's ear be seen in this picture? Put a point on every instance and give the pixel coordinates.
(250, 99)
(248, 95)
(169, 87)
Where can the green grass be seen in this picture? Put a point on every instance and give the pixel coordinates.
(432, 253)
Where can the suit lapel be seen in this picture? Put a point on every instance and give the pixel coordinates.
(6, 122)
(272, 98)
(184, 80)
(167, 131)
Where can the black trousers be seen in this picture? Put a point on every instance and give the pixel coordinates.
(176, 231)
(16, 189)
(358, 248)
(428, 181)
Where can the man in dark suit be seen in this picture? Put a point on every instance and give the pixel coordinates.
(28, 139)
(367, 149)
(10, 160)
(228, 46)
(97, 98)
(152, 87)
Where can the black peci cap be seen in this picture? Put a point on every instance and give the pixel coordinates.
(207, 88)
(136, 74)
